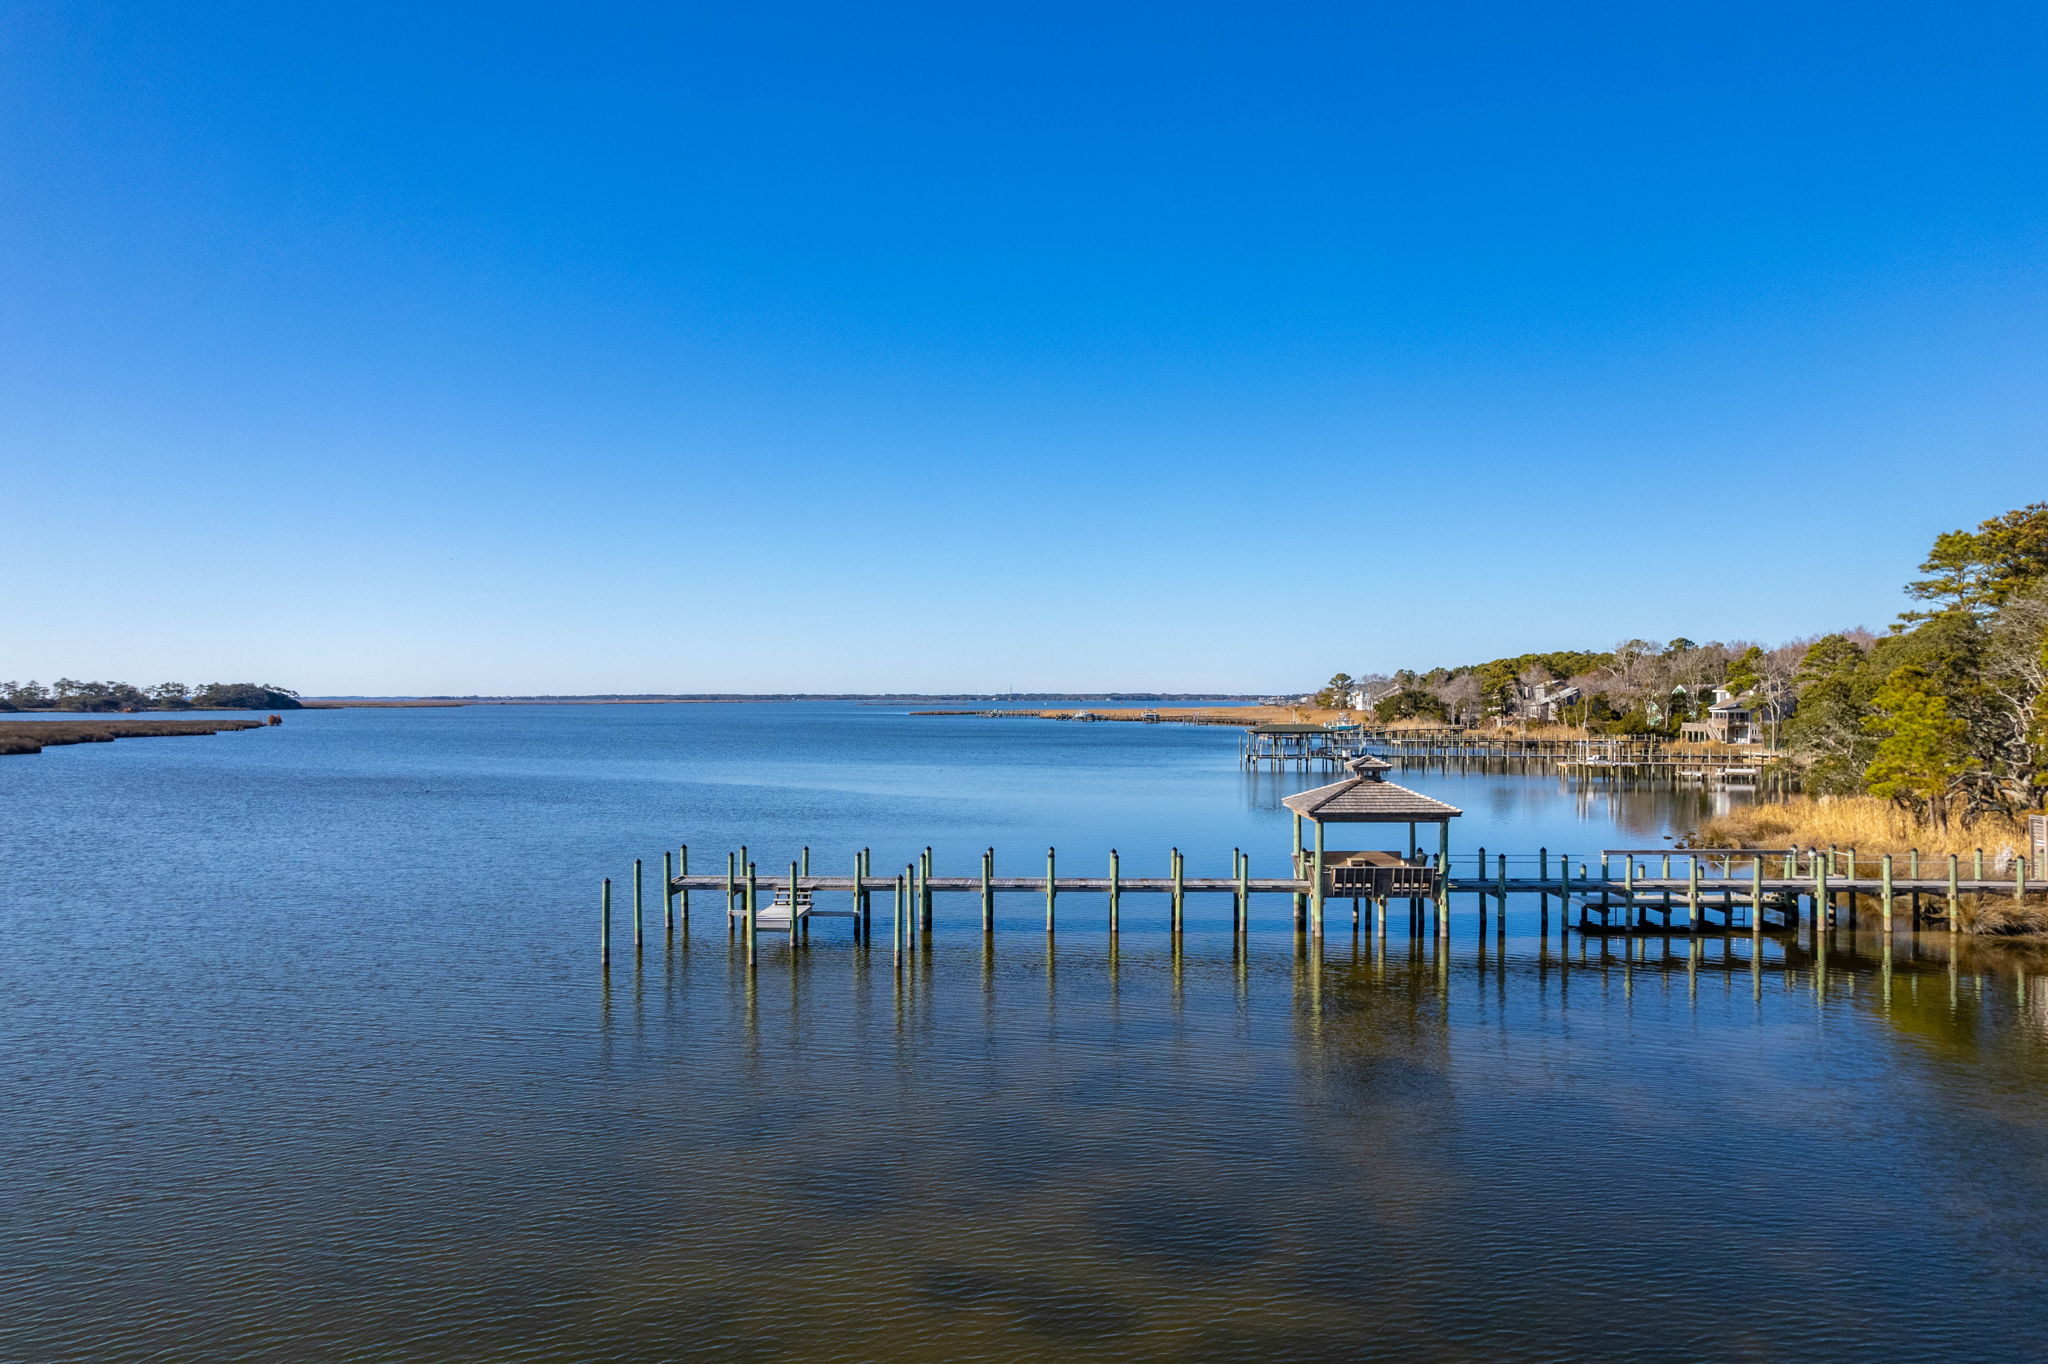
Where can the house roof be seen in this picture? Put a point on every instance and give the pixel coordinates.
(1365, 800)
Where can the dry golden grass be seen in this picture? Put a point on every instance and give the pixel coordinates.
(2000, 916)
(1861, 822)
(1870, 825)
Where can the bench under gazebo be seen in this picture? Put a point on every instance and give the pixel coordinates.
(1367, 797)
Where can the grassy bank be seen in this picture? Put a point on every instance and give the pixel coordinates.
(1871, 827)
(1864, 823)
(33, 736)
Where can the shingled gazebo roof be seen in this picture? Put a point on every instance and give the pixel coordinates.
(1365, 764)
(1366, 800)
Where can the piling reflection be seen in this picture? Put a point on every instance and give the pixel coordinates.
(1392, 1073)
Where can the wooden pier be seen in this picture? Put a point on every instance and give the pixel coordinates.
(1300, 744)
(1695, 891)
(1335, 745)
(1714, 892)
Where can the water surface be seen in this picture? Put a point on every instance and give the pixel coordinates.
(304, 1054)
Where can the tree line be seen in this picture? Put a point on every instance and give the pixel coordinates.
(1945, 714)
(70, 694)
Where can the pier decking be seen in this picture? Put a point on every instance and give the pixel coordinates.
(1721, 891)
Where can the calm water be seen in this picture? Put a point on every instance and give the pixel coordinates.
(305, 1056)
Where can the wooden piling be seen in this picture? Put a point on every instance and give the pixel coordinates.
(1300, 901)
(1885, 896)
(794, 917)
(668, 895)
(1913, 875)
(1244, 892)
(636, 904)
(1316, 885)
(924, 900)
(604, 922)
(988, 892)
(1179, 887)
(683, 897)
(729, 888)
(1955, 898)
(1236, 900)
(1050, 889)
(1115, 893)
(920, 890)
(753, 902)
(1692, 893)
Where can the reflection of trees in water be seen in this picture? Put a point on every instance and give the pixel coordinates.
(1960, 998)
(1645, 808)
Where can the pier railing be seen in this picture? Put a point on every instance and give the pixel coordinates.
(1618, 889)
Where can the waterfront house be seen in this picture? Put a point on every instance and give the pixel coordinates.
(1730, 719)
(1540, 701)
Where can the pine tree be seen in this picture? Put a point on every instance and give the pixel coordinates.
(1922, 748)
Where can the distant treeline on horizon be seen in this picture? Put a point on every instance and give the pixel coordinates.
(69, 694)
(1020, 696)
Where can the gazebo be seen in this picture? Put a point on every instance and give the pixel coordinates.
(1367, 797)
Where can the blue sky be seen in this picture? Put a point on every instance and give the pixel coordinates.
(407, 349)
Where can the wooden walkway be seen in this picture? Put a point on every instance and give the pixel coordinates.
(1722, 891)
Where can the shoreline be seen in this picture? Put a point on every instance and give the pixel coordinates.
(19, 737)
(1244, 715)
(715, 699)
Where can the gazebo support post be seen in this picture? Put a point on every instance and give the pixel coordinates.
(1296, 870)
(1316, 891)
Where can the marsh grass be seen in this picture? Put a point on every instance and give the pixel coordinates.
(1864, 823)
(1873, 826)
(33, 736)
